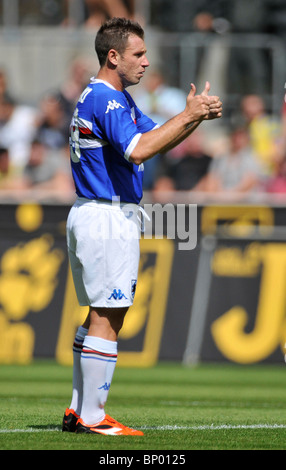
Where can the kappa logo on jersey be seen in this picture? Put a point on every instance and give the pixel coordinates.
(117, 295)
(113, 105)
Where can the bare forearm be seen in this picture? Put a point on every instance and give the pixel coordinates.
(181, 137)
(162, 139)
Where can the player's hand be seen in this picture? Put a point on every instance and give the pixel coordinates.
(215, 105)
(197, 106)
(203, 107)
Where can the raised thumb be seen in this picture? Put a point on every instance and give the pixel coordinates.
(207, 89)
(193, 89)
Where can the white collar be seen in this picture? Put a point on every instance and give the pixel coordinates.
(98, 80)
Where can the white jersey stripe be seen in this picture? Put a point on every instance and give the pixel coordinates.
(84, 123)
(132, 146)
(92, 143)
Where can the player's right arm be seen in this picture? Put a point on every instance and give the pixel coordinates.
(198, 108)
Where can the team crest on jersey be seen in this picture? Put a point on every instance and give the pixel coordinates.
(113, 105)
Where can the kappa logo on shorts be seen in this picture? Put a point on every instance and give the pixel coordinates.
(117, 295)
(113, 105)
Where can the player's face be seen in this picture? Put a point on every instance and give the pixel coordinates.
(133, 62)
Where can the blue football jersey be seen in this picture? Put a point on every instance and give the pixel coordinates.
(105, 128)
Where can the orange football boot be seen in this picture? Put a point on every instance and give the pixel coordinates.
(108, 426)
(70, 420)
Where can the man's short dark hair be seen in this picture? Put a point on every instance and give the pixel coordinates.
(114, 34)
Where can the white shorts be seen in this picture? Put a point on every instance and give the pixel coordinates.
(103, 246)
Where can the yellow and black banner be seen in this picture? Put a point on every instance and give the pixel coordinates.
(241, 286)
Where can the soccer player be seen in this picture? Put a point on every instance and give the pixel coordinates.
(110, 140)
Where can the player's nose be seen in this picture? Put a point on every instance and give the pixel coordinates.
(145, 62)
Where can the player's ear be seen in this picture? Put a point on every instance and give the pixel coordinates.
(113, 56)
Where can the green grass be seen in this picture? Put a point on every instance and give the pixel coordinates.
(168, 402)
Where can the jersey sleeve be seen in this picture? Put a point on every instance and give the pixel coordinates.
(113, 115)
(143, 122)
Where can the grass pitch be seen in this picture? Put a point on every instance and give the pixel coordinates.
(209, 407)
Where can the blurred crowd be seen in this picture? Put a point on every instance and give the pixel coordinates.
(241, 156)
(34, 140)
(244, 157)
(180, 16)
(64, 13)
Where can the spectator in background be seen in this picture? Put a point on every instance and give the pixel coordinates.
(264, 132)
(9, 176)
(179, 16)
(94, 12)
(17, 130)
(79, 74)
(186, 166)
(161, 102)
(231, 70)
(53, 122)
(277, 184)
(159, 99)
(4, 164)
(241, 69)
(48, 170)
(238, 171)
(100, 10)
